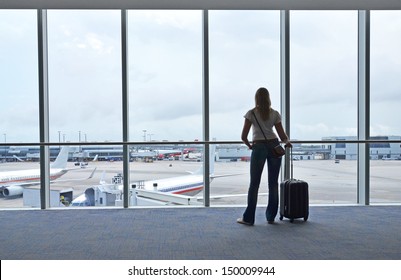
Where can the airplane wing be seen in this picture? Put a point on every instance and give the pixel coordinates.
(200, 198)
(75, 168)
(18, 158)
(16, 189)
(170, 198)
(213, 176)
(79, 179)
(2, 187)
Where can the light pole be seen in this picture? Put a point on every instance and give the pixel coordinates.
(144, 135)
(59, 140)
(5, 150)
(79, 148)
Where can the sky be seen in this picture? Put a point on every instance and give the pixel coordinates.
(165, 73)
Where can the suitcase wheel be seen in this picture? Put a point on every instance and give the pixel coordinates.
(291, 220)
(281, 217)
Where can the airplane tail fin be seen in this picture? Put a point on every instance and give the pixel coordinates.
(212, 152)
(62, 158)
(212, 158)
(18, 158)
(102, 179)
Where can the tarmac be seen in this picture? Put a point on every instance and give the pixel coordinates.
(330, 183)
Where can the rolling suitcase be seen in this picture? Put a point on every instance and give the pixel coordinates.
(294, 198)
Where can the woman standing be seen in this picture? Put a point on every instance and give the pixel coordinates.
(262, 119)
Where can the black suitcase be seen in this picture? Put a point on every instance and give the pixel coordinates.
(294, 198)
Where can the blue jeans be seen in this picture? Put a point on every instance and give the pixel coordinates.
(260, 153)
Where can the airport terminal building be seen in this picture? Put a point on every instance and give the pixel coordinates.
(342, 149)
(379, 150)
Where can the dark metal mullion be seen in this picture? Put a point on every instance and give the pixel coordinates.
(285, 81)
(206, 123)
(363, 184)
(125, 105)
(43, 109)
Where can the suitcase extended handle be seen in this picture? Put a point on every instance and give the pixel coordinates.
(291, 163)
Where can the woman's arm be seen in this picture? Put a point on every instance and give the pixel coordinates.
(245, 131)
(283, 136)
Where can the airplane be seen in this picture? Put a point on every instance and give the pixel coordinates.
(391, 158)
(18, 158)
(160, 154)
(193, 156)
(12, 183)
(174, 190)
(173, 154)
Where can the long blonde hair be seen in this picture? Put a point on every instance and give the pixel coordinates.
(263, 103)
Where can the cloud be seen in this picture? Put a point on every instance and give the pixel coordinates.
(319, 130)
(380, 130)
(165, 68)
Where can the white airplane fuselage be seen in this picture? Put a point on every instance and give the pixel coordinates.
(184, 185)
(27, 176)
(12, 183)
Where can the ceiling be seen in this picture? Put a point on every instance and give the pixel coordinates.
(206, 4)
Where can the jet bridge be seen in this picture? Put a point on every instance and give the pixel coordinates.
(111, 195)
(167, 198)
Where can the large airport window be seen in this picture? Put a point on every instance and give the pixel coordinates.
(84, 75)
(385, 100)
(323, 99)
(94, 178)
(231, 181)
(323, 86)
(19, 107)
(244, 54)
(85, 93)
(331, 179)
(166, 175)
(165, 95)
(165, 68)
(20, 177)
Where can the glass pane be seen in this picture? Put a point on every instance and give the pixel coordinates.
(244, 55)
(166, 175)
(19, 111)
(323, 74)
(385, 172)
(330, 171)
(94, 177)
(324, 101)
(165, 66)
(230, 187)
(20, 177)
(385, 102)
(84, 75)
(317, 165)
